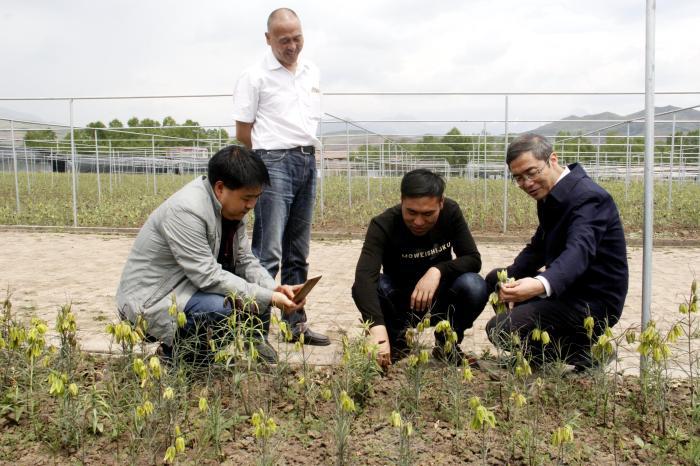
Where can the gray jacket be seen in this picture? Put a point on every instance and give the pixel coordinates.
(176, 253)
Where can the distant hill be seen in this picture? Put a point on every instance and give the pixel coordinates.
(574, 125)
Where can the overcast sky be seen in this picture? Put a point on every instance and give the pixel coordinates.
(98, 48)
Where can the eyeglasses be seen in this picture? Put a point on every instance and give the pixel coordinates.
(530, 174)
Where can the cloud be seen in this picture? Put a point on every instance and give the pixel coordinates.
(127, 47)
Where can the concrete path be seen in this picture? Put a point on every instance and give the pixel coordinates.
(46, 270)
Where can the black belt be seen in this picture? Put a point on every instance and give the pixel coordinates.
(306, 150)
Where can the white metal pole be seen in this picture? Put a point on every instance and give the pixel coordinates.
(347, 153)
(367, 162)
(153, 156)
(506, 179)
(14, 163)
(597, 158)
(670, 162)
(111, 165)
(72, 156)
(323, 161)
(97, 169)
(26, 167)
(648, 168)
(628, 162)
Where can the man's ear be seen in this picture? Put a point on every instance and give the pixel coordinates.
(554, 158)
(218, 189)
(267, 38)
(442, 201)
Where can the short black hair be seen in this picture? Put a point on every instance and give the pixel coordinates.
(237, 167)
(422, 183)
(540, 147)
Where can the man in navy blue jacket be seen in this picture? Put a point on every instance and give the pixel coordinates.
(575, 265)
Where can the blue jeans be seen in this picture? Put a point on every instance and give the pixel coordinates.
(207, 314)
(460, 302)
(283, 214)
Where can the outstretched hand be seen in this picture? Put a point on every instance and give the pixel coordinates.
(379, 336)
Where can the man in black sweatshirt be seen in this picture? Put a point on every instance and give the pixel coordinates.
(412, 244)
(579, 244)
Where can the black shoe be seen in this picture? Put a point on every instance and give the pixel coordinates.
(266, 353)
(455, 357)
(310, 337)
(585, 361)
(165, 354)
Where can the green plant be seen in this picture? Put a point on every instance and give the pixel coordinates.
(359, 368)
(405, 429)
(482, 420)
(264, 427)
(654, 379)
(344, 414)
(561, 437)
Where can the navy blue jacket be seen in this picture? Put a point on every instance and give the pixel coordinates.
(581, 244)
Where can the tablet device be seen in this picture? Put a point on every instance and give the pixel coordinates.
(304, 290)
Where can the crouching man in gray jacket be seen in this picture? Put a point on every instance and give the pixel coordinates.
(194, 247)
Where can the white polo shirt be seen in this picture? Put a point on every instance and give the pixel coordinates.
(285, 107)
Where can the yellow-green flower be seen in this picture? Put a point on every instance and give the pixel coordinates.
(203, 404)
(154, 365)
(147, 408)
(562, 435)
(168, 393)
(518, 399)
(326, 394)
(467, 374)
(395, 419)
(346, 403)
(181, 319)
(424, 356)
(169, 455)
(588, 324)
(180, 444)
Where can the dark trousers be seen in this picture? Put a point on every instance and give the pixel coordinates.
(561, 318)
(460, 302)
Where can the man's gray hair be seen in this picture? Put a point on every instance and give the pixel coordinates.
(278, 13)
(540, 147)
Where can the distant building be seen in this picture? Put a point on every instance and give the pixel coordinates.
(187, 152)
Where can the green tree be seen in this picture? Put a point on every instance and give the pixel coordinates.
(37, 138)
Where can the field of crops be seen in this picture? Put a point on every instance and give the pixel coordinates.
(126, 201)
(63, 406)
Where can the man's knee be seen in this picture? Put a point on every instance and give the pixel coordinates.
(471, 288)
(494, 327)
(385, 286)
(492, 278)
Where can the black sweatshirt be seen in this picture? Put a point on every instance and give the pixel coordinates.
(404, 257)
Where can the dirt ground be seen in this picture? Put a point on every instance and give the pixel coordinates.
(46, 270)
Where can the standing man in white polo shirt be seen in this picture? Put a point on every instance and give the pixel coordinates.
(277, 110)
